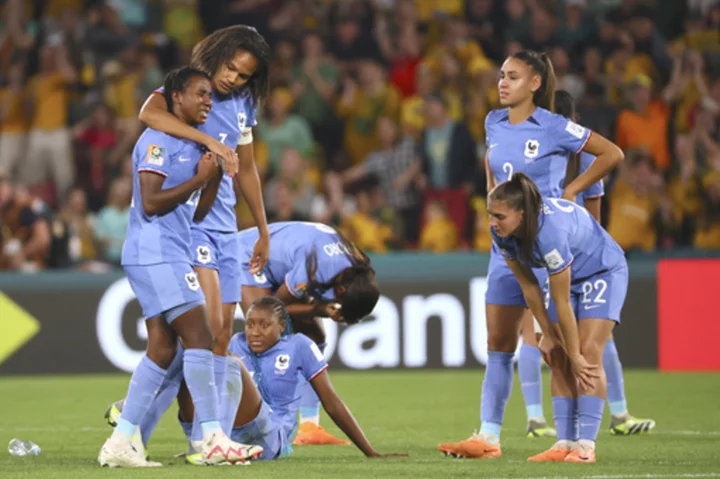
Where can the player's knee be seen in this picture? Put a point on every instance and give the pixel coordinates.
(161, 353)
(591, 349)
(222, 341)
(201, 338)
(502, 340)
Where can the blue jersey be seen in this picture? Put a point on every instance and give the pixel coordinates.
(162, 238)
(229, 116)
(290, 244)
(538, 147)
(280, 371)
(595, 190)
(567, 234)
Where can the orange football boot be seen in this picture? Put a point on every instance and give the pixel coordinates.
(310, 434)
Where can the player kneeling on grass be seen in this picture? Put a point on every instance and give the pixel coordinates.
(588, 279)
(272, 366)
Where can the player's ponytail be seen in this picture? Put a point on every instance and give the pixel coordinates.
(360, 288)
(544, 97)
(565, 106)
(521, 194)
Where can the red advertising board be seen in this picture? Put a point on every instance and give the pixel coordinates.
(688, 314)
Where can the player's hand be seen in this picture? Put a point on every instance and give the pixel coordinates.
(261, 252)
(587, 374)
(207, 167)
(229, 156)
(568, 195)
(547, 345)
(331, 310)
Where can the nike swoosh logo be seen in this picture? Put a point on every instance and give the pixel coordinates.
(493, 145)
(184, 159)
(592, 307)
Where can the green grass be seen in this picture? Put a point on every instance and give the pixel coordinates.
(404, 412)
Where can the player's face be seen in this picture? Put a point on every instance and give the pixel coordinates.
(503, 219)
(235, 73)
(262, 330)
(195, 101)
(517, 82)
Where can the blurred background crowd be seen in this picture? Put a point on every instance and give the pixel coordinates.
(375, 120)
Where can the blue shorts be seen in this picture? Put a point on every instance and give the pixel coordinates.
(165, 288)
(264, 431)
(221, 252)
(263, 279)
(502, 285)
(599, 297)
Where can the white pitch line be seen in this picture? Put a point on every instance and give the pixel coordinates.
(623, 476)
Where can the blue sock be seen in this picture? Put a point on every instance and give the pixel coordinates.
(187, 428)
(220, 369)
(496, 390)
(615, 383)
(565, 414)
(234, 388)
(164, 398)
(200, 376)
(144, 384)
(530, 371)
(309, 400)
(590, 411)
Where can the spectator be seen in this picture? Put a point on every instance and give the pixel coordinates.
(482, 239)
(446, 149)
(73, 238)
(283, 204)
(49, 143)
(293, 173)
(13, 123)
(392, 166)
(282, 130)
(112, 222)
(363, 229)
(361, 104)
(439, 235)
(314, 81)
(25, 233)
(283, 64)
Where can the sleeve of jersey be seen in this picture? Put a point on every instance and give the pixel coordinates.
(570, 136)
(554, 247)
(296, 280)
(596, 190)
(157, 159)
(159, 91)
(502, 245)
(312, 359)
(246, 134)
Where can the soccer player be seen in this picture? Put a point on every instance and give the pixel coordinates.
(236, 58)
(278, 364)
(588, 280)
(174, 183)
(529, 361)
(527, 137)
(316, 273)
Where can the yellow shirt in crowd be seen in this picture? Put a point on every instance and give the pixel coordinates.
(50, 97)
(631, 221)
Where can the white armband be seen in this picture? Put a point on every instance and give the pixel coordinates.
(245, 136)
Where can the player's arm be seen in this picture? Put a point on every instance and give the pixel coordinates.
(154, 113)
(247, 183)
(340, 414)
(533, 295)
(489, 178)
(156, 200)
(607, 156)
(298, 308)
(593, 206)
(208, 195)
(560, 294)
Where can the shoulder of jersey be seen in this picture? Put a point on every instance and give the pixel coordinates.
(547, 117)
(495, 115)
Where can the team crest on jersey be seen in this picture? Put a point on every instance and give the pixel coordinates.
(203, 254)
(242, 120)
(192, 281)
(532, 148)
(155, 155)
(282, 363)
